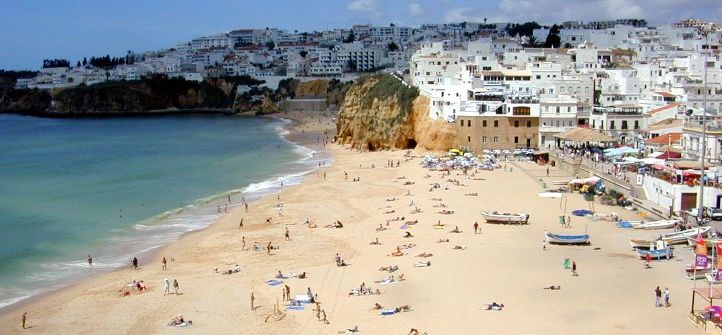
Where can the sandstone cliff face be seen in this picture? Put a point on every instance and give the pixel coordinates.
(367, 122)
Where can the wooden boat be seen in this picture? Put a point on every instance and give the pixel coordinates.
(496, 217)
(661, 224)
(681, 236)
(640, 244)
(697, 272)
(711, 277)
(665, 253)
(710, 242)
(566, 239)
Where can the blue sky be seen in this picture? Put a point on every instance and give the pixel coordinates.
(31, 30)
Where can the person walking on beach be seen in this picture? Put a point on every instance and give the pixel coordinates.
(323, 317)
(240, 224)
(243, 241)
(287, 235)
(135, 263)
(574, 269)
(268, 248)
(476, 227)
(90, 261)
(666, 297)
(24, 319)
(175, 286)
(547, 171)
(245, 204)
(167, 286)
(165, 263)
(288, 292)
(253, 300)
(657, 297)
(544, 245)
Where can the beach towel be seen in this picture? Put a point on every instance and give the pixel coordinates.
(295, 308)
(404, 226)
(303, 298)
(389, 311)
(624, 224)
(274, 282)
(582, 212)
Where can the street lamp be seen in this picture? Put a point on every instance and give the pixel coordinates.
(700, 213)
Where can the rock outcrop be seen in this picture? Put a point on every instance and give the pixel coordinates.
(381, 113)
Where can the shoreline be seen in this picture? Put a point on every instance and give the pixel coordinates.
(503, 263)
(288, 130)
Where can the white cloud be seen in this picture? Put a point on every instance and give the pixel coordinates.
(553, 11)
(363, 6)
(415, 9)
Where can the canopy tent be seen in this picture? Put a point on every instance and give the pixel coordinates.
(584, 135)
(670, 154)
(620, 151)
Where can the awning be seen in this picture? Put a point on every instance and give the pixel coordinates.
(584, 135)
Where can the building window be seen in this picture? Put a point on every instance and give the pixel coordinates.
(611, 124)
(557, 109)
(462, 123)
(468, 123)
(624, 124)
(516, 139)
(483, 139)
(496, 139)
(483, 123)
(521, 111)
(636, 124)
(516, 124)
(528, 123)
(468, 139)
(496, 123)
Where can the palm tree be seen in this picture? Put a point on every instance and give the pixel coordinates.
(533, 42)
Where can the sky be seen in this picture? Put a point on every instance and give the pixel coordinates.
(32, 30)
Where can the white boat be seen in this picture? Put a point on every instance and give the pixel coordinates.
(496, 217)
(661, 224)
(697, 272)
(680, 237)
(566, 239)
(640, 244)
(710, 242)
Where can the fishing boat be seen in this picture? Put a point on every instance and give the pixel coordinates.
(710, 242)
(496, 217)
(566, 239)
(711, 277)
(697, 272)
(681, 236)
(640, 244)
(666, 253)
(661, 224)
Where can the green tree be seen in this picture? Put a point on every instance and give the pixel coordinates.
(393, 46)
(553, 40)
(533, 42)
(351, 37)
(270, 45)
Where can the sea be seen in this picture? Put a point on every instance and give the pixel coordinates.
(116, 188)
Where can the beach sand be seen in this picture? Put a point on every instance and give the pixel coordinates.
(506, 264)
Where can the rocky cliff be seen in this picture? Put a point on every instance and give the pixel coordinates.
(35, 102)
(380, 113)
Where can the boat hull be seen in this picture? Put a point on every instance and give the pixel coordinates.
(502, 218)
(667, 253)
(567, 239)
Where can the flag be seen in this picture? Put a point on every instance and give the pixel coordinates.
(718, 275)
(700, 251)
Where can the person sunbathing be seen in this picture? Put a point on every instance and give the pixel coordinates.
(390, 268)
(338, 224)
(553, 288)
(403, 308)
(408, 234)
(409, 183)
(302, 275)
(391, 199)
(472, 194)
(397, 253)
(494, 306)
(424, 254)
(279, 275)
(376, 242)
(389, 212)
(456, 230)
(459, 247)
(414, 331)
(422, 264)
(442, 240)
(376, 307)
(412, 222)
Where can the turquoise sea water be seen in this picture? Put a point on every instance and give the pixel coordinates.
(117, 187)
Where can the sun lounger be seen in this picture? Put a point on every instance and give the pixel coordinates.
(295, 308)
(422, 264)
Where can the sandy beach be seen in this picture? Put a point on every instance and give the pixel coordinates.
(503, 263)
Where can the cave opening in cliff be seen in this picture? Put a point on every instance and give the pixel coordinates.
(410, 143)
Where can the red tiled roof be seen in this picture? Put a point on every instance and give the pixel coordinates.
(666, 94)
(666, 139)
(664, 108)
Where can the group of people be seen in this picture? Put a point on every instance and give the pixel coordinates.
(659, 295)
